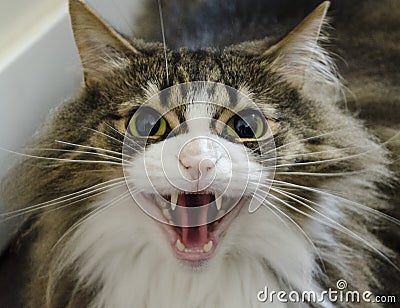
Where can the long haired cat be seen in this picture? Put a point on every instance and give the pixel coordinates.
(96, 235)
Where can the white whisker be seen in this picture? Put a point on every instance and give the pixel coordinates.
(68, 197)
(78, 152)
(89, 147)
(91, 215)
(306, 139)
(333, 224)
(111, 137)
(333, 174)
(326, 193)
(64, 159)
(323, 160)
(164, 40)
(262, 200)
(295, 155)
(110, 188)
(125, 137)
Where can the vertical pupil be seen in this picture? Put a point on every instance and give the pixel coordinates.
(148, 125)
(246, 126)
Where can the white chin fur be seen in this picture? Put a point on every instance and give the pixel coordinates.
(128, 254)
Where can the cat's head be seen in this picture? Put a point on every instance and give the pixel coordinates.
(204, 130)
(201, 126)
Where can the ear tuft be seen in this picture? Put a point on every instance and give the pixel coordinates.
(100, 47)
(302, 62)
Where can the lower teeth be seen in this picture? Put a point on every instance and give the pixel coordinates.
(207, 247)
(181, 247)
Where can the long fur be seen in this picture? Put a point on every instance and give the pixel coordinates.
(90, 245)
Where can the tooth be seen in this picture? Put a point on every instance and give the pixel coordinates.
(218, 201)
(179, 245)
(166, 214)
(174, 200)
(207, 247)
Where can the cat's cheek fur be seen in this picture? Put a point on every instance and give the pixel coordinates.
(127, 252)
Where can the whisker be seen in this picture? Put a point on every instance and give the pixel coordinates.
(294, 208)
(262, 200)
(333, 174)
(78, 152)
(164, 40)
(104, 134)
(46, 211)
(339, 227)
(64, 159)
(115, 130)
(68, 197)
(323, 160)
(326, 193)
(89, 147)
(391, 139)
(91, 215)
(112, 138)
(313, 153)
(306, 139)
(125, 137)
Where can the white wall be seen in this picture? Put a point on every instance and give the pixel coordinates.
(39, 66)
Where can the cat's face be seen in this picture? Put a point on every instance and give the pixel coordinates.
(196, 153)
(200, 155)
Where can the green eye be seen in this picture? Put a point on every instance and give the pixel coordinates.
(248, 124)
(147, 122)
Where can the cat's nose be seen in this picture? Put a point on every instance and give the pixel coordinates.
(198, 166)
(198, 158)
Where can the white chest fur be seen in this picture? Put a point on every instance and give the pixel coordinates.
(126, 252)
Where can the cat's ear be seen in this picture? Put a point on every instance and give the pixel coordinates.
(299, 58)
(100, 47)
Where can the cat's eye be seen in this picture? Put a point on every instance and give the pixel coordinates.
(247, 124)
(147, 122)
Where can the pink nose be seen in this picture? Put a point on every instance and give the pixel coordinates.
(198, 158)
(198, 166)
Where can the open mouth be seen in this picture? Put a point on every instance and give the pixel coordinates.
(196, 222)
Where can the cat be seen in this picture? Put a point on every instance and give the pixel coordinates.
(87, 241)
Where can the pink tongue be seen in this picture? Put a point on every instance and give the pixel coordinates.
(194, 236)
